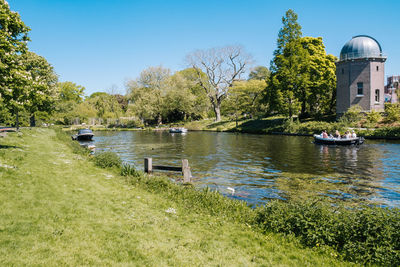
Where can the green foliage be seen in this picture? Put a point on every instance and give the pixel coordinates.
(374, 116)
(392, 112)
(312, 127)
(129, 170)
(71, 92)
(107, 160)
(383, 132)
(304, 79)
(259, 73)
(244, 97)
(291, 30)
(365, 235)
(352, 115)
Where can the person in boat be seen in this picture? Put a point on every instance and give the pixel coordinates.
(324, 134)
(337, 134)
(347, 135)
(353, 134)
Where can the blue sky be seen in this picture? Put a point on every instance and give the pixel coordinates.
(101, 44)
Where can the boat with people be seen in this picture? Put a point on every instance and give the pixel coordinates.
(83, 135)
(178, 130)
(330, 140)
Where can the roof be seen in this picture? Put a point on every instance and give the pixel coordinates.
(361, 46)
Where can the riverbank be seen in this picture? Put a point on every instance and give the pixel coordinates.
(277, 125)
(58, 208)
(280, 125)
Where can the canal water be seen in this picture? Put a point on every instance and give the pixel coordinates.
(264, 167)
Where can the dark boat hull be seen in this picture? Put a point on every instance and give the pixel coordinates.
(340, 142)
(84, 137)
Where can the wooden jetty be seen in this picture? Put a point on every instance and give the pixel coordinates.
(185, 169)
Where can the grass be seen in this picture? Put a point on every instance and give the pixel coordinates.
(58, 208)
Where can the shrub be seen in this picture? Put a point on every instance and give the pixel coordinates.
(364, 235)
(129, 170)
(107, 160)
(352, 115)
(392, 112)
(374, 116)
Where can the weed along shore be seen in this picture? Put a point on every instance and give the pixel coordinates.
(63, 207)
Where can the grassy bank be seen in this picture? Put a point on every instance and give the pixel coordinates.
(281, 125)
(60, 209)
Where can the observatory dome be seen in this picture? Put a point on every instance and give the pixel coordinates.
(361, 46)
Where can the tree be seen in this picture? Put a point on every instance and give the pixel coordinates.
(222, 67)
(70, 91)
(291, 30)
(13, 77)
(304, 79)
(42, 85)
(244, 97)
(201, 102)
(69, 96)
(259, 73)
(146, 93)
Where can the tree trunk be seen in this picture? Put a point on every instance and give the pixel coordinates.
(33, 121)
(217, 111)
(17, 121)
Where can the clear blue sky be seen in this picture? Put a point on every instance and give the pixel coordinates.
(100, 44)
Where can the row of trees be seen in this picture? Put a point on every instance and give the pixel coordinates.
(301, 81)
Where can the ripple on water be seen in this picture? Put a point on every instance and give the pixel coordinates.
(253, 164)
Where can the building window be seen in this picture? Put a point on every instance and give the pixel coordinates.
(377, 95)
(377, 68)
(360, 90)
(342, 71)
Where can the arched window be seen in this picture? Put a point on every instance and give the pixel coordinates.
(377, 95)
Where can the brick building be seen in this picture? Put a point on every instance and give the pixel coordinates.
(360, 75)
(393, 86)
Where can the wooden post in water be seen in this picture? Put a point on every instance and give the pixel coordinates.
(148, 165)
(186, 171)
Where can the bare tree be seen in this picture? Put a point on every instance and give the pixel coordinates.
(217, 69)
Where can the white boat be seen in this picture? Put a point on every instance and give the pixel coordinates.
(318, 139)
(178, 130)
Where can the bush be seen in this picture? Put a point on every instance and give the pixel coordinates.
(374, 116)
(392, 112)
(364, 235)
(107, 160)
(352, 115)
(129, 170)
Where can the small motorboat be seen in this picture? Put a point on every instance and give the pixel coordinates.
(83, 135)
(318, 139)
(178, 130)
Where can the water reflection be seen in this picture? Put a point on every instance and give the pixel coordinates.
(265, 167)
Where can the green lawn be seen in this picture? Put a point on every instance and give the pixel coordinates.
(57, 208)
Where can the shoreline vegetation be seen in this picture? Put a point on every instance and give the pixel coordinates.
(62, 206)
(275, 125)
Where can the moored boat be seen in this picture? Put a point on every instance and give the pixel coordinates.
(178, 130)
(83, 135)
(338, 141)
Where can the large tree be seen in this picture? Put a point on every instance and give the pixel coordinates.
(13, 76)
(222, 67)
(146, 93)
(304, 81)
(42, 85)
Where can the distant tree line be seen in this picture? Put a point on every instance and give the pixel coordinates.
(217, 82)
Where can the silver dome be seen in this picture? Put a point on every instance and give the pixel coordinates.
(361, 46)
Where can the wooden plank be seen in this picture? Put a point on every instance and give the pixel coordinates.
(148, 168)
(186, 171)
(167, 168)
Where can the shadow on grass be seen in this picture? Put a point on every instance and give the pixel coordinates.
(7, 146)
(216, 124)
(261, 125)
